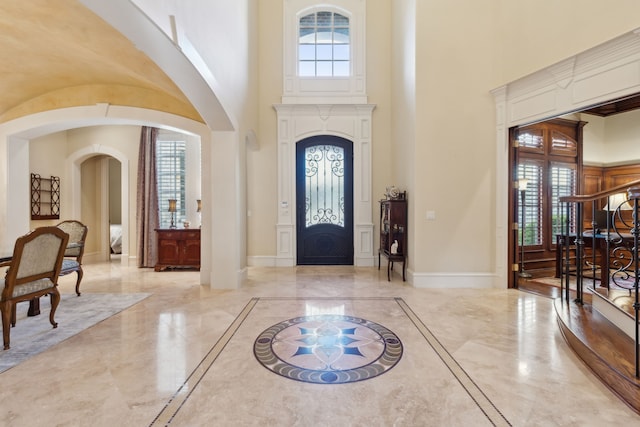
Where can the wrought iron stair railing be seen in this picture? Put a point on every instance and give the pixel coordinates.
(609, 250)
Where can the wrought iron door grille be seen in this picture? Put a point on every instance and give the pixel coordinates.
(324, 181)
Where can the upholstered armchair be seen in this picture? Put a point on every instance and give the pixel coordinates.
(72, 261)
(33, 272)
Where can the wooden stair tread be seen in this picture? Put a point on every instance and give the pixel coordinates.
(608, 351)
(599, 334)
(621, 298)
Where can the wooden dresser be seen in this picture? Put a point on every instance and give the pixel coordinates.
(178, 248)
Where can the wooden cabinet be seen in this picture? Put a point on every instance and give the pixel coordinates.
(393, 228)
(178, 248)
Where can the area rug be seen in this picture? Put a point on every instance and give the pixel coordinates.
(33, 335)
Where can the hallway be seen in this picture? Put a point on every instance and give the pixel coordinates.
(185, 356)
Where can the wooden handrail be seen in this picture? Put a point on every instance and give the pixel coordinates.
(632, 187)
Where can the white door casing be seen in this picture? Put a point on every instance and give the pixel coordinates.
(300, 121)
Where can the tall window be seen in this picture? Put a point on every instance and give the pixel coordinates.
(324, 45)
(170, 169)
(563, 183)
(549, 158)
(324, 58)
(531, 212)
(562, 179)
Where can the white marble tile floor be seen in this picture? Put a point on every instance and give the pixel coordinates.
(184, 356)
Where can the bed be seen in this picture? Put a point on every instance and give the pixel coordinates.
(115, 239)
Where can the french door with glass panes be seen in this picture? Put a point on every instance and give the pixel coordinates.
(324, 201)
(549, 159)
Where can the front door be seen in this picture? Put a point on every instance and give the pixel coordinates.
(324, 201)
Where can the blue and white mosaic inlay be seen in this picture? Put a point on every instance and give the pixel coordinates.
(328, 349)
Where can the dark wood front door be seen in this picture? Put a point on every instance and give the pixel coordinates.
(324, 201)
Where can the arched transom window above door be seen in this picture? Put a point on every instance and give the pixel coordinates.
(324, 52)
(323, 45)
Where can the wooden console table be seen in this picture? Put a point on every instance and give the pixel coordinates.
(178, 248)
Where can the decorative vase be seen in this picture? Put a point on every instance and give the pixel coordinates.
(392, 192)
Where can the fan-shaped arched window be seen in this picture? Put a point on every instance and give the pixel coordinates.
(324, 45)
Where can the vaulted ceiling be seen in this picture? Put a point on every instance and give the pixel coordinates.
(57, 54)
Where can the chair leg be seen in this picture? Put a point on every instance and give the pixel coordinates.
(14, 308)
(80, 273)
(55, 299)
(5, 307)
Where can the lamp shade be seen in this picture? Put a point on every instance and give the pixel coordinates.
(522, 184)
(199, 205)
(172, 205)
(618, 200)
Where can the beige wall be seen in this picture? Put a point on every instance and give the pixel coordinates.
(91, 192)
(610, 141)
(115, 192)
(380, 91)
(532, 34)
(48, 156)
(593, 138)
(460, 57)
(622, 138)
(434, 122)
(455, 138)
(431, 67)
(262, 172)
(402, 143)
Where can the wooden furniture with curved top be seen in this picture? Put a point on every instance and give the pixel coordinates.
(72, 261)
(33, 272)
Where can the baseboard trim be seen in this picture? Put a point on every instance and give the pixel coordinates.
(261, 261)
(453, 280)
(417, 280)
(270, 261)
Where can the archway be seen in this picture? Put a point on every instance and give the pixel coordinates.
(74, 164)
(14, 137)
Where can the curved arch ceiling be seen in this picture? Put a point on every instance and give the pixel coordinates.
(60, 54)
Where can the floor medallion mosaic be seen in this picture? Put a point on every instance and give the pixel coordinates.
(328, 349)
